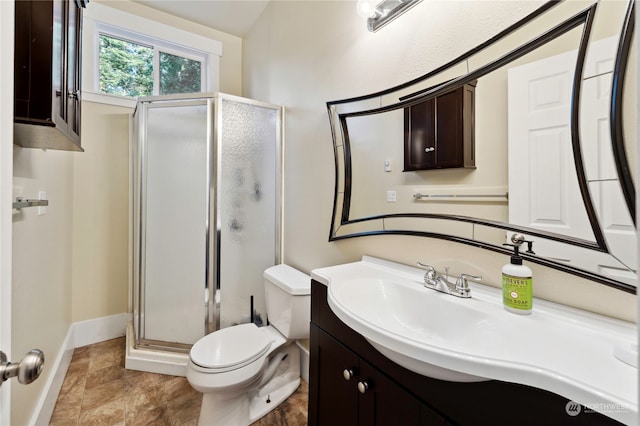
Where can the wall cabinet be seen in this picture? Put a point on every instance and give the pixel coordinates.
(47, 67)
(394, 395)
(439, 133)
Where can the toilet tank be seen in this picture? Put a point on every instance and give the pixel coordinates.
(288, 298)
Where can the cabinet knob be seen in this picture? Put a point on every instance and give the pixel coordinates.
(347, 374)
(363, 386)
(429, 149)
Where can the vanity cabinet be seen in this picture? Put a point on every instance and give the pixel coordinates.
(47, 66)
(397, 396)
(353, 392)
(439, 133)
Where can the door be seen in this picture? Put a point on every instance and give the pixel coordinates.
(540, 148)
(6, 189)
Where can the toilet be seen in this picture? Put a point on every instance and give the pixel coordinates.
(245, 371)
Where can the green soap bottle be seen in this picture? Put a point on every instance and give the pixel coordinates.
(517, 292)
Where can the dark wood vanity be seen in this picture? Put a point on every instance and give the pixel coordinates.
(351, 383)
(439, 133)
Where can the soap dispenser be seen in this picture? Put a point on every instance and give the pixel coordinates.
(517, 292)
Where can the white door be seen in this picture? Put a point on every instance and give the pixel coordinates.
(6, 189)
(543, 187)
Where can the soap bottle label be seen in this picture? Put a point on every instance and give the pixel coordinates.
(516, 292)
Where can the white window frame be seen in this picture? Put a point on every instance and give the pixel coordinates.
(100, 19)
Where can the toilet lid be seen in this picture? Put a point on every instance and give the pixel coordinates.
(231, 347)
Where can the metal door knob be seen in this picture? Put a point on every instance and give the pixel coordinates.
(27, 370)
(347, 374)
(363, 386)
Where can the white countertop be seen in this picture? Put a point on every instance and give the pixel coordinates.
(557, 348)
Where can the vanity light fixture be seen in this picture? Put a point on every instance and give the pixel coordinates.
(379, 13)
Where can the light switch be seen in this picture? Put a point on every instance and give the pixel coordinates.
(387, 165)
(391, 196)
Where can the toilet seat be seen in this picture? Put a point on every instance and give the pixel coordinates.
(230, 348)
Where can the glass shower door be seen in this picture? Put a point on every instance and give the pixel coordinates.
(175, 220)
(248, 150)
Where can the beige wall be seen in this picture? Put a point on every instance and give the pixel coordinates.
(41, 281)
(303, 54)
(101, 214)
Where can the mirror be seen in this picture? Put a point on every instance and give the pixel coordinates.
(554, 146)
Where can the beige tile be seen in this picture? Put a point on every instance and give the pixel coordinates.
(156, 416)
(103, 394)
(72, 388)
(65, 413)
(99, 391)
(104, 375)
(185, 409)
(110, 413)
(106, 358)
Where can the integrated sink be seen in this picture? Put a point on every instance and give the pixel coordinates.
(563, 350)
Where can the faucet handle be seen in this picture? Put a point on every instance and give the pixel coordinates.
(430, 275)
(429, 268)
(462, 287)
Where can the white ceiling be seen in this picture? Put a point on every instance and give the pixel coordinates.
(230, 16)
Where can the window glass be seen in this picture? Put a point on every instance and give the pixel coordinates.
(126, 68)
(179, 74)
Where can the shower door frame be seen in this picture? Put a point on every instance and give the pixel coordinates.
(213, 234)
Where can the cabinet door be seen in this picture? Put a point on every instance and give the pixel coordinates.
(336, 399)
(420, 136)
(73, 29)
(384, 402)
(449, 142)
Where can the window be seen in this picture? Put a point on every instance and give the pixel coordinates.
(126, 68)
(129, 68)
(126, 56)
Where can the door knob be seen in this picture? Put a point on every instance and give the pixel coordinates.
(27, 370)
(347, 374)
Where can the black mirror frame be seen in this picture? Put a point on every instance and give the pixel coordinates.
(585, 18)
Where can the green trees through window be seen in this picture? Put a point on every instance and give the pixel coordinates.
(126, 69)
(178, 74)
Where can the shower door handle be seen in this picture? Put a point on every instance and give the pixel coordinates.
(27, 370)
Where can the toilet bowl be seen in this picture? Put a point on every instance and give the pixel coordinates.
(245, 371)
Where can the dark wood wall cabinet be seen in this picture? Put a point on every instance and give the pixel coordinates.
(439, 133)
(47, 67)
(350, 383)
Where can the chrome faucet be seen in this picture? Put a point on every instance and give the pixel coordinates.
(440, 283)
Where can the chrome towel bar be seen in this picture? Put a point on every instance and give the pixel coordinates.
(21, 203)
(420, 196)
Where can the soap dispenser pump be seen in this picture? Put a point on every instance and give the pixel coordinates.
(517, 292)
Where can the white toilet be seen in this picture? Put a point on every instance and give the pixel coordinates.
(245, 371)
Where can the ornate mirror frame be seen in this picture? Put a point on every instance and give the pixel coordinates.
(343, 227)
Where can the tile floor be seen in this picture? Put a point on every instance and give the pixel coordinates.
(98, 390)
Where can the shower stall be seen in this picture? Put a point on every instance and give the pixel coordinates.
(206, 174)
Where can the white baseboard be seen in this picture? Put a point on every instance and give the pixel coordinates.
(80, 334)
(48, 397)
(304, 361)
(99, 329)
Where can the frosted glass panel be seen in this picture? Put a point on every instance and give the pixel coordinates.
(247, 208)
(176, 218)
